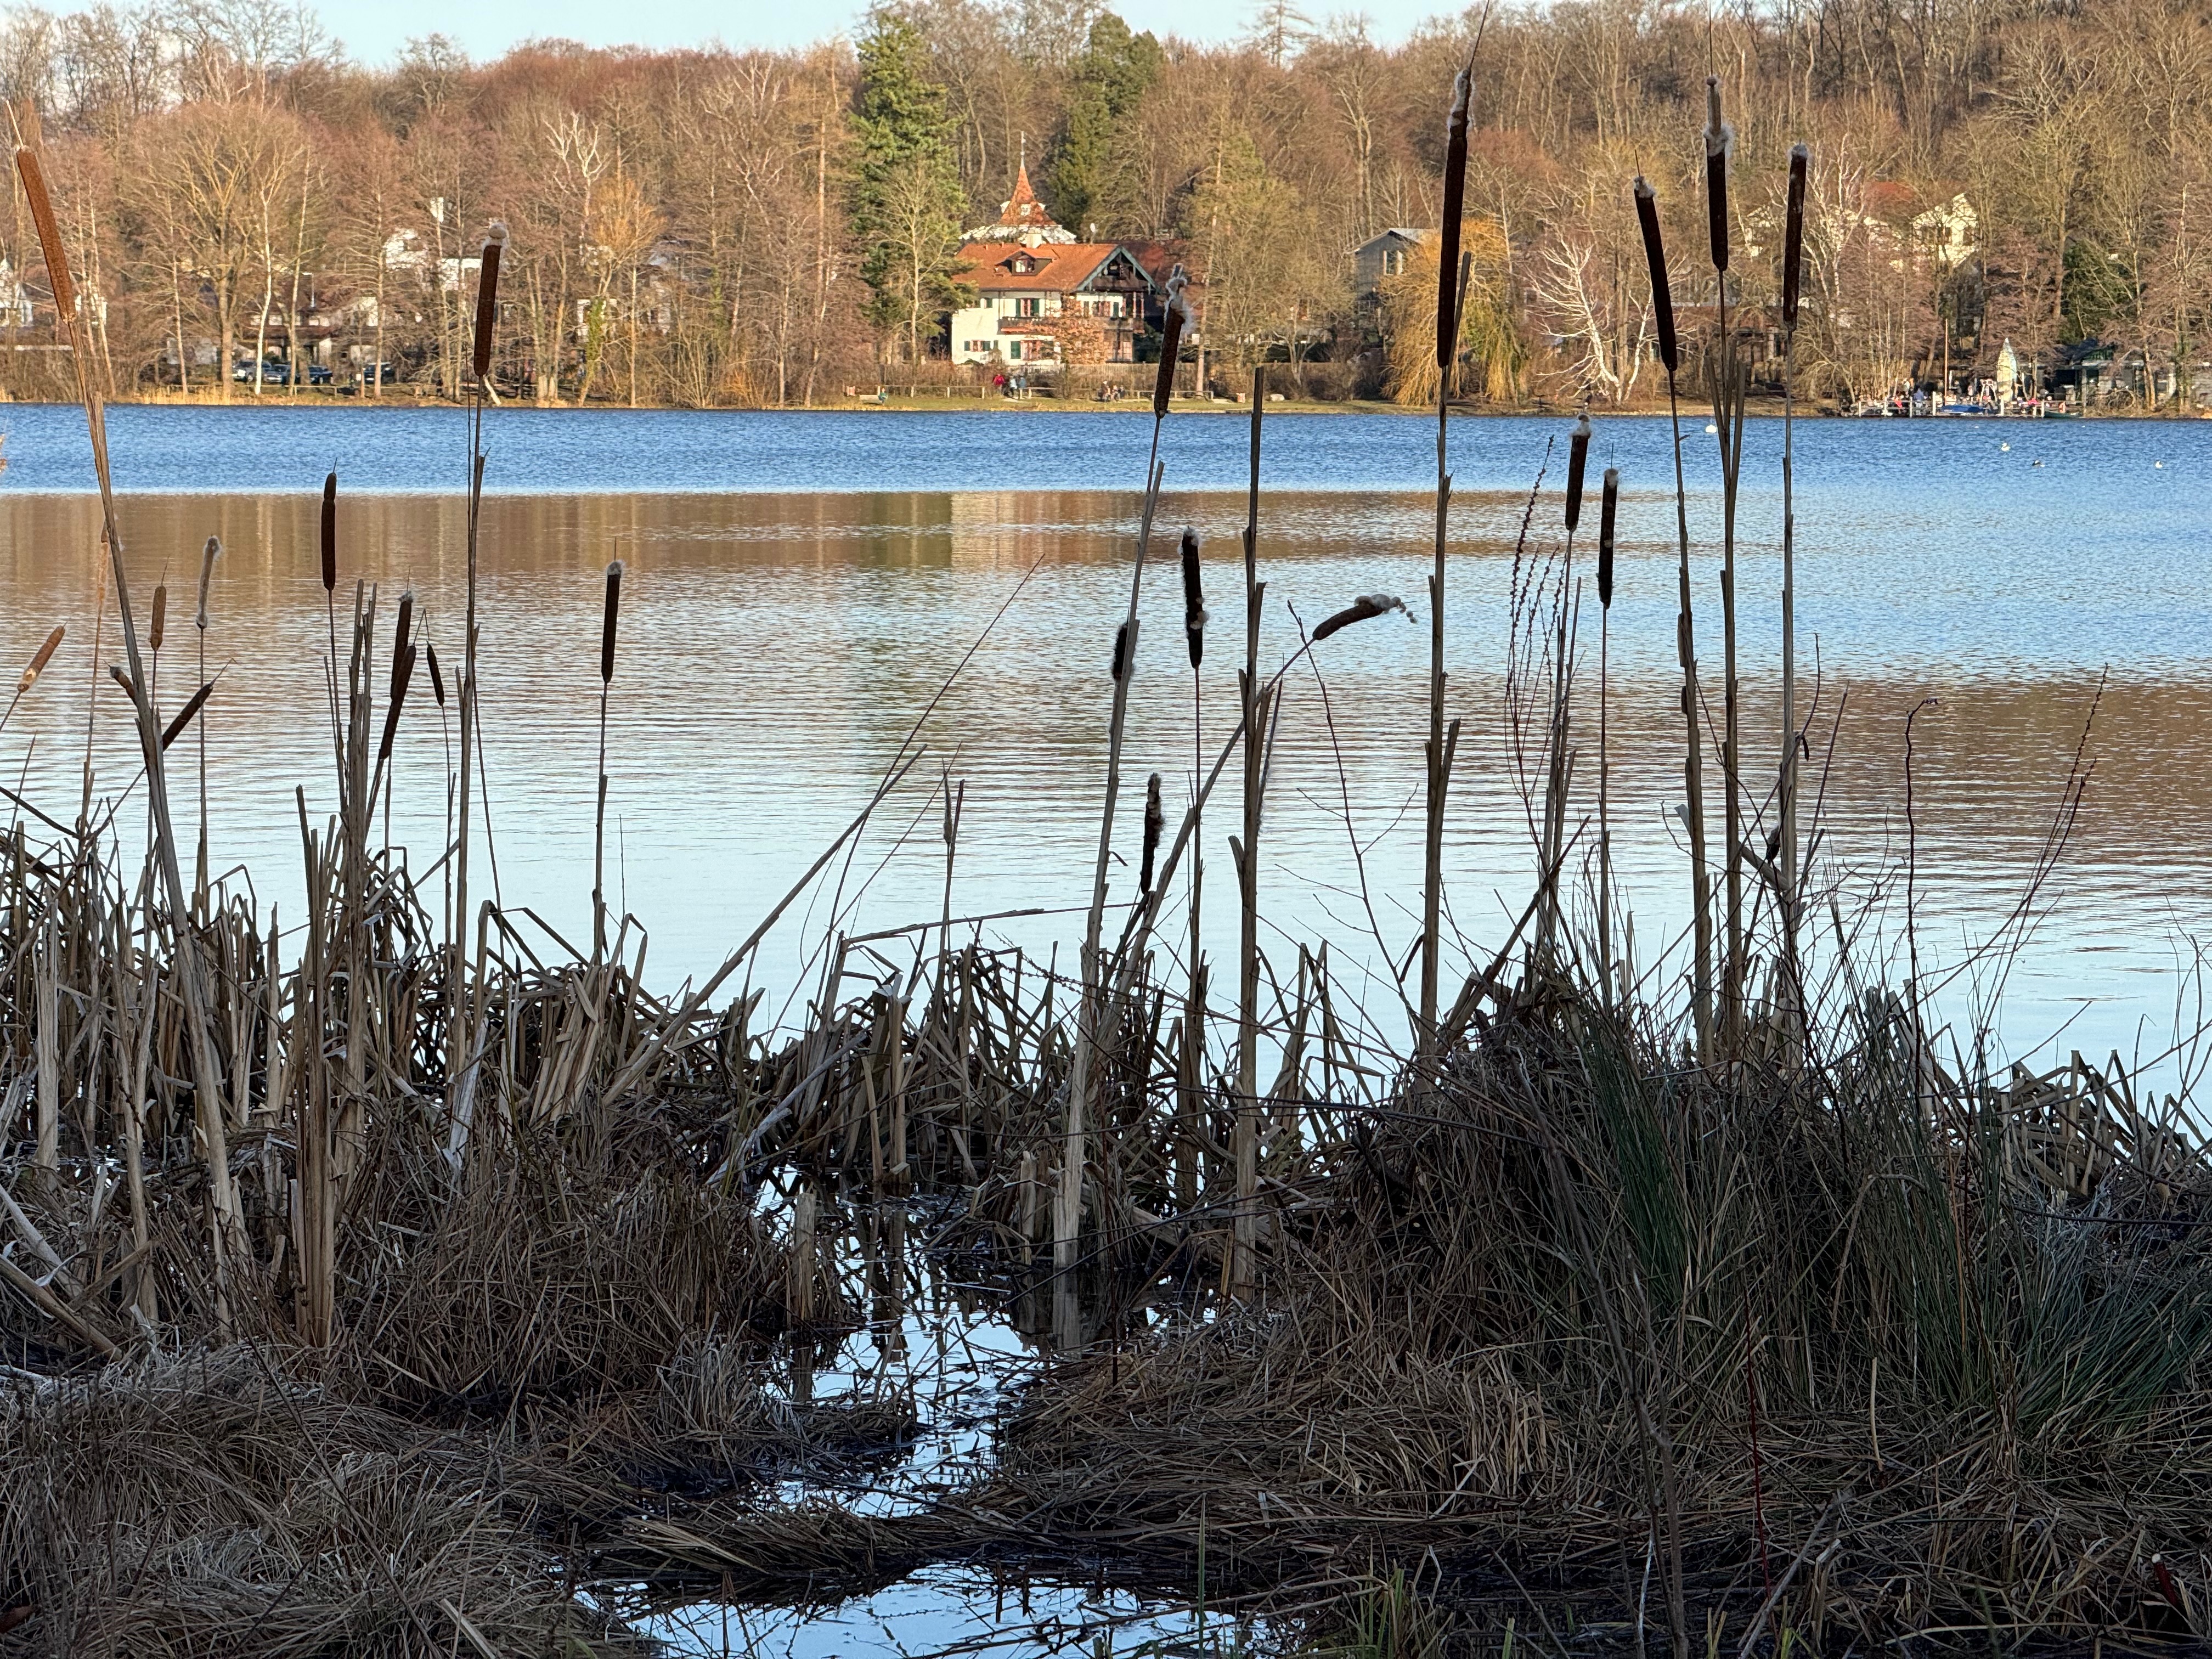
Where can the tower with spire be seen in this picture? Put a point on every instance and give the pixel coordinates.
(1021, 217)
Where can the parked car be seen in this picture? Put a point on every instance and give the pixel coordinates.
(366, 375)
(275, 371)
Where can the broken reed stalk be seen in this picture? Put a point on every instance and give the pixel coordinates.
(612, 615)
(1067, 1201)
(1663, 305)
(1451, 288)
(1244, 852)
(226, 1225)
(1608, 509)
(1793, 262)
(1189, 1097)
(1728, 392)
(487, 322)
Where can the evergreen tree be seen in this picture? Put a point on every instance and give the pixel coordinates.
(1110, 78)
(907, 199)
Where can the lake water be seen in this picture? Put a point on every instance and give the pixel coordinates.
(801, 586)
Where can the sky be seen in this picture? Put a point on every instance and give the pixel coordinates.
(375, 30)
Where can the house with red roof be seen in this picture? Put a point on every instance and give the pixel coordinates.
(1042, 297)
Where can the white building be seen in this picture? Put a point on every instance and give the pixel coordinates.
(1042, 296)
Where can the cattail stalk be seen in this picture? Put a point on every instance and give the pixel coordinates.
(1663, 305)
(227, 1240)
(1451, 288)
(1793, 262)
(1192, 1061)
(612, 615)
(1729, 389)
(1067, 1201)
(208, 554)
(458, 1108)
(1608, 509)
(1552, 852)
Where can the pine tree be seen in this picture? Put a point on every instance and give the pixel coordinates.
(1111, 77)
(907, 199)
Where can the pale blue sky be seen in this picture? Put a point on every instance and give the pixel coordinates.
(374, 30)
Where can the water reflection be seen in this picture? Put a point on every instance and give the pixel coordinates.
(778, 650)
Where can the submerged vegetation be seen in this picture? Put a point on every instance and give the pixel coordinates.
(379, 1284)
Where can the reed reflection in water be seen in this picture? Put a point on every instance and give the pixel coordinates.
(778, 650)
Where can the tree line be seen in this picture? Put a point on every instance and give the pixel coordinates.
(722, 227)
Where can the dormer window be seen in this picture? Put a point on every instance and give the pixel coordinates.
(1021, 264)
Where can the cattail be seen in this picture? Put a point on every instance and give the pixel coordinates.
(207, 570)
(1366, 606)
(1155, 820)
(1170, 342)
(161, 615)
(1194, 601)
(402, 635)
(1720, 138)
(607, 627)
(1605, 510)
(184, 719)
(1455, 207)
(488, 298)
(1120, 652)
(1655, 256)
(1793, 236)
(403, 671)
(330, 533)
(39, 661)
(437, 679)
(50, 231)
(1577, 458)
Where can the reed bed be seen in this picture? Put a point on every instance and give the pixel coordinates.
(405, 1280)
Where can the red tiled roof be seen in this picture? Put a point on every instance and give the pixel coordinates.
(1059, 267)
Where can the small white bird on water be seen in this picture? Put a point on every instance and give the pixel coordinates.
(1710, 428)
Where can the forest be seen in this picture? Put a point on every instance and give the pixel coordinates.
(723, 227)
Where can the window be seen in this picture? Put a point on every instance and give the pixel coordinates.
(1394, 261)
(1014, 351)
(1028, 306)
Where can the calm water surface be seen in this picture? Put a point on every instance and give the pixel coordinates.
(801, 585)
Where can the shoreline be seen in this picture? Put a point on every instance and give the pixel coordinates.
(1760, 408)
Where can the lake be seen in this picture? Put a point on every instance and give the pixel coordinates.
(801, 586)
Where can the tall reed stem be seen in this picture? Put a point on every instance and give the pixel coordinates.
(1728, 423)
(1257, 705)
(1793, 247)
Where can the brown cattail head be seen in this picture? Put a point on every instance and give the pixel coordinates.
(1155, 820)
(403, 672)
(607, 625)
(39, 661)
(1366, 606)
(159, 623)
(1120, 652)
(1793, 236)
(1720, 138)
(488, 299)
(437, 679)
(176, 727)
(402, 635)
(207, 570)
(1170, 342)
(1454, 207)
(330, 533)
(1655, 257)
(1578, 459)
(1194, 601)
(1606, 507)
(50, 231)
